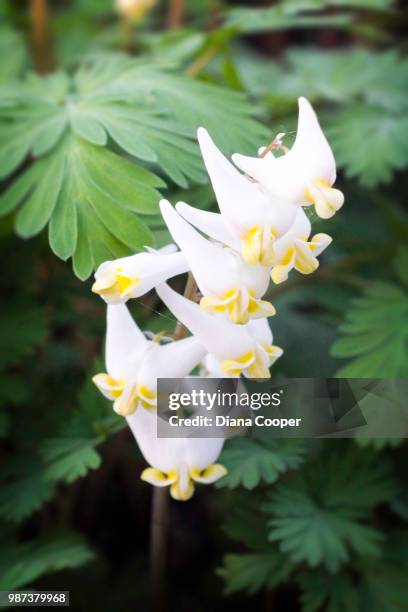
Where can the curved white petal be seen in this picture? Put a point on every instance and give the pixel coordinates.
(202, 452)
(209, 223)
(130, 277)
(242, 203)
(220, 337)
(311, 149)
(212, 266)
(164, 454)
(291, 176)
(300, 229)
(173, 360)
(260, 330)
(125, 343)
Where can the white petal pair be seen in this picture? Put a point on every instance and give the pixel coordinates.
(305, 174)
(295, 250)
(240, 349)
(250, 219)
(130, 277)
(227, 283)
(176, 462)
(134, 363)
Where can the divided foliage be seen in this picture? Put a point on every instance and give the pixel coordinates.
(68, 131)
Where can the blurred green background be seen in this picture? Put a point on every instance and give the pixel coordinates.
(98, 115)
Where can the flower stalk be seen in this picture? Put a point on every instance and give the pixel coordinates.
(158, 548)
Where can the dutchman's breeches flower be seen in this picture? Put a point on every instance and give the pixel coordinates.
(250, 219)
(261, 231)
(227, 283)
(179, 463)
(295, 250)
(305, 174)
(238, 348)
(131, 277)
(134, 363)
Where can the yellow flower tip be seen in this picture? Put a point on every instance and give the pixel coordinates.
(148, 398)
(208, 475)
(157, 478)
(279, 274)
(326, 200)
(235, 366)
(182, 494)
(113, 285)
(124, 409)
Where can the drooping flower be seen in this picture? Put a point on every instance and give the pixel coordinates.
(250, 219)
(134, 10)
(227, 283)
(305, 174)
(295, 250)
(179, 463)
(238, 350)
(134, 363)
(130, 277)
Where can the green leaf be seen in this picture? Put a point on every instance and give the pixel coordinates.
(10, 39)
(23, 490)
(87, 221)
(21, 332)
(321, 590)
(317, 519)
(74, 180)
(22, 563)
(72, 452)
(251, 572)
(283, 16)
(39, 206)
(361, 139)
(250, 461)
(376, 334)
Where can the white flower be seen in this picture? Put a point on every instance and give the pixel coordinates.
(134, 363)
(250, 219)
(130, 277)
(295, 250)
(305, 174)
(228, 284)
(176, 462)
(134, 9)
(237, 349)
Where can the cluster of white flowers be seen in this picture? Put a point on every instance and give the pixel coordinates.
(261, 233)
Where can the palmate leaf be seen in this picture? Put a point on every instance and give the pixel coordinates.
(22, 563)
(375, 334)
(333, 593)
(250, 461)
(23, 489)
(253, 571)
(369, 142)
(89, 195)
(71, 453)
(318, 519)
